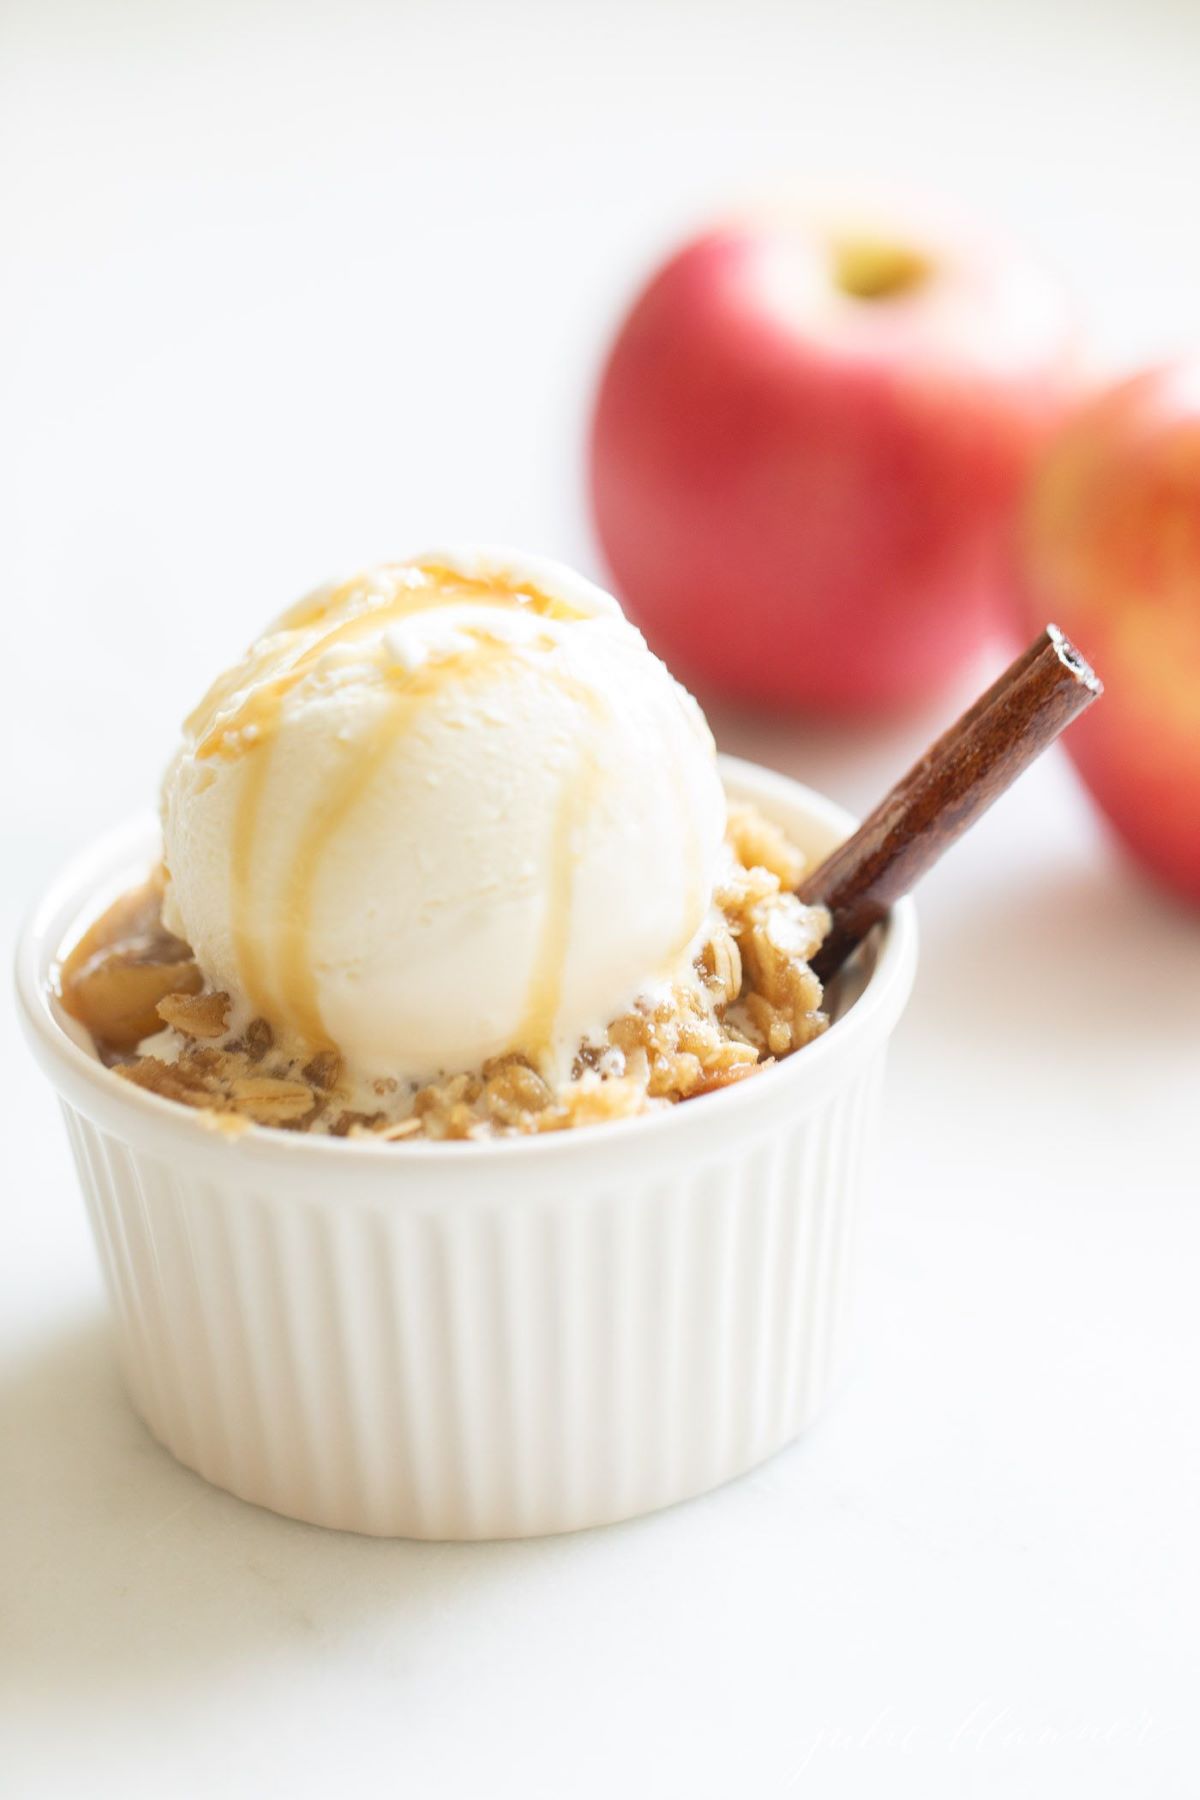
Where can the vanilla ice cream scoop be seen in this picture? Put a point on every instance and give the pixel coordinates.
(449, 808)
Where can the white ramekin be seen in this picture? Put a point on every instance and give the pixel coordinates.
(473, 1341)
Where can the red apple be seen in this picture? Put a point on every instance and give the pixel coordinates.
(1110, 550)
(807, 442)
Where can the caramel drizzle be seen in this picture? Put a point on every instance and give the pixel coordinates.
(536, 1030)
(247, 949)
(420, 586)
(416, 588)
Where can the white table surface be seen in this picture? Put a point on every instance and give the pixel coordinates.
(284, 291)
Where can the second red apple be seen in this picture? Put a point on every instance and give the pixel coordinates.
(1110, 549)
(807, 443)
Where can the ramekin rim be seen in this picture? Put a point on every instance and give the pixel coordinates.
(889, 983)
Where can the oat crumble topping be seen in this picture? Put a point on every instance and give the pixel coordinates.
(753, 999)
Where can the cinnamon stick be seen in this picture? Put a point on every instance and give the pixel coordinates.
(944, 793)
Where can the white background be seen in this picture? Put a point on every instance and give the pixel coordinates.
(285, 291)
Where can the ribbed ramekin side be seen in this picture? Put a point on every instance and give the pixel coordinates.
(133, 1352)
(596, 1350)
(697, 1320)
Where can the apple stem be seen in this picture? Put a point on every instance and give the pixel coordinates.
(950, 787)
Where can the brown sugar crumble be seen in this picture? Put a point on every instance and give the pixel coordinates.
(753, 999)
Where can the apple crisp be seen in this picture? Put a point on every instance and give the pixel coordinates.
(749, 998)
